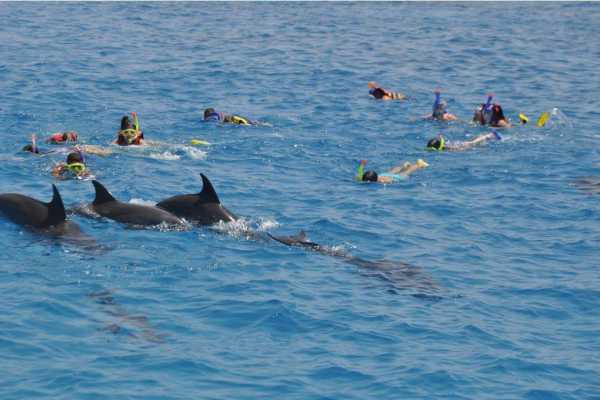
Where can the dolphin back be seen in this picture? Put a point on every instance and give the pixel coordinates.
(25, 210)
(208, 193)
(102, 195)
(136, 214)
(56, 209)
(202, 208)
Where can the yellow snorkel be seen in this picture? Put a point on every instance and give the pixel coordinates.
(543, 119)
(523, 118)
(361, 170)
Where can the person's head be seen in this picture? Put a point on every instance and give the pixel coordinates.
(125, 123)
(122, 140)
(74, 157)
(497, 113)
(208, 112)
(31, 148)
(440, 109)
(369, 176)
(437, 143)
(72, 136)
(378, 93)
(478, 116)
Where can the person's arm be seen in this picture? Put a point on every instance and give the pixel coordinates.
(58, 170)
(478, 140)
(503, 123)
(97, 150)
(450, 117)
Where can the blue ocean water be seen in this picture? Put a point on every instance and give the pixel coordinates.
(501, 296)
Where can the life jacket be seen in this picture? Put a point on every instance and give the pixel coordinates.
(58, 137)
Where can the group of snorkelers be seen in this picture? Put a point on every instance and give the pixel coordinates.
(486, 114)
(129, 134)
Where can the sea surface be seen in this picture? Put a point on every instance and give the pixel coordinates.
(478, 277)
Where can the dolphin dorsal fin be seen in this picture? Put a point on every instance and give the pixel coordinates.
(102, 195)
(301, 236)
(56, 208)
(208, 194)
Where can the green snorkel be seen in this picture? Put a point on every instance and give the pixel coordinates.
(361, 170)
(136, 121)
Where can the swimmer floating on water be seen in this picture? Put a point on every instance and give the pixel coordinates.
(440, 144)
(394, 175)
(380, 93)
(439, 111)
(491, 114)
(74, 167)
(33, 148)
(130, 134)
(211, 115)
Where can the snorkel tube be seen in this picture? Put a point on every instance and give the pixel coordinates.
(34, 148)
(361, 170)
(436, 103)
(486, 112)
(488, 103)
(81, 156)
(136, 121)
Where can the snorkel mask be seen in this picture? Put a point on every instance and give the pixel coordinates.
(76, 168)
(439, 110)
(441, 144)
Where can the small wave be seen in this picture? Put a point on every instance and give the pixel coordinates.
(167, 155)
(194, 153)
(266, 224)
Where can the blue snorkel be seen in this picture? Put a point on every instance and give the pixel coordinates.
(488, 103)
(81, 156)
(436, 103)
(487, 109)
(215, 116)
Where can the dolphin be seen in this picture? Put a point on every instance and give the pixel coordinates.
(589, 184)
(400, 275)
(203, 208)
(48, 218)
(136, 214)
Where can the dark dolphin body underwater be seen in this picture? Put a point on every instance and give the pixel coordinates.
(399, 274)
(136, 214)
(45, 218)
(589, 184)
(202, 208)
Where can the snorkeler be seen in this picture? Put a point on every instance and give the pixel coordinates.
(62, 137)
(394, 175)
(380, 93)
(74, 167)
(211, 115)
(439, 110)
(491, 114)
(130, 134)
(439, 143)
(32, 147)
